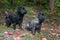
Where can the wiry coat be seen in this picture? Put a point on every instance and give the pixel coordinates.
(15, 18)
(35, 25)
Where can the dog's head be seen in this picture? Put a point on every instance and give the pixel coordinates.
(41, 17)
(21, 10)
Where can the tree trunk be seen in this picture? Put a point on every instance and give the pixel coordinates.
(51, 6)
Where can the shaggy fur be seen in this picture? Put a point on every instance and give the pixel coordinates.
(15, 18)
(35, 25)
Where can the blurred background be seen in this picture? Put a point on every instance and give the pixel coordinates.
(51, 8)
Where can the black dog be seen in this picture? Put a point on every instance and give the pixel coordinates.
(35, 25)
(15, 18)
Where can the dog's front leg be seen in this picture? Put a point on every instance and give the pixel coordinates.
(39, 28)
(14, 26)
(20, 25)
(33, 31)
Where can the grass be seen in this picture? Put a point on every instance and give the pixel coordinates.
(27, 37)
(3, 28)
(29, 15)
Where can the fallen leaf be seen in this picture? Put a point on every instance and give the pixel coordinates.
(22, 35)
(52, 33)
(32, 36)
(58, 35)
(17, 38)
(43, 28)
(43, 38)
(8, 33)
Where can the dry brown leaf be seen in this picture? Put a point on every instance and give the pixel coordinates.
(52, 33)
(58, 35)
(43, 29)
(17, 38)
(22, 35)
(43, 38)
(32, 36)
(51, 29)
(57, 30)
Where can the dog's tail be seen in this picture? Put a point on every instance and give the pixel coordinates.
(6, 13)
